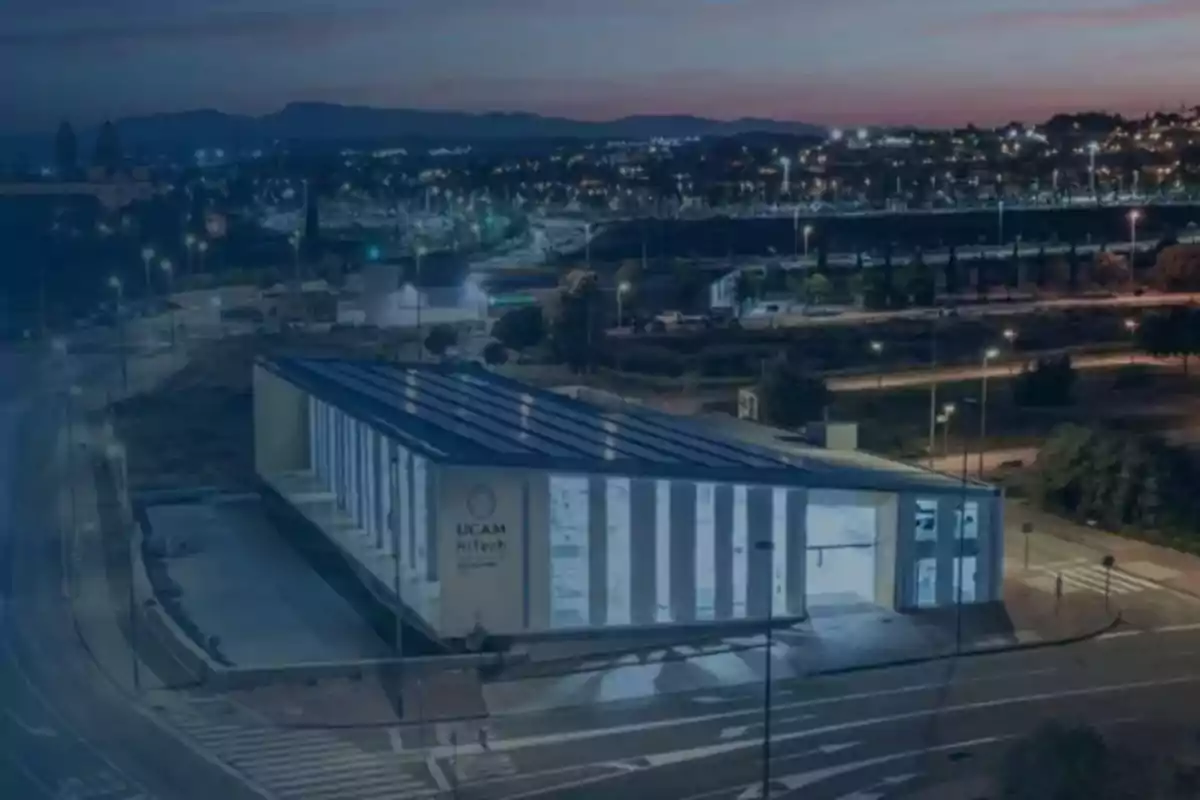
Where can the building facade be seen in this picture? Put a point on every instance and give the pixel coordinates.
(516, 548)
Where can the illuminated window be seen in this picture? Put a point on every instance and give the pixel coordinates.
(926, 522)
(964, 576)
(706, 556)
(926, 575)
(662, 552)
(568, 552)
(618, 584)
(740, 551)
(779, 554)
(971, 529)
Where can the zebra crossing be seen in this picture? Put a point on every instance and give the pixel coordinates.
(305, 764)
(479, 766)
(1091, 577)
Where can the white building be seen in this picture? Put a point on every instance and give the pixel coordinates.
(476, 503)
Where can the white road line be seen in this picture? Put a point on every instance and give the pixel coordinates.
(1191, 626)
(396, 739)
(439, 777)
(585, 734)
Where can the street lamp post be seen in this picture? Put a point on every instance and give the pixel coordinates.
(1000, 223)
(768, 547)
(988, 355)
(945, 417)
(201, 248)
(1131, 325)
(808, 231)
(418, 254)
(622, 288)
(114, 283)
(147, 257)
(877, 349)
(1010, 336)
(169, 271)
(189, 245)
(1092, 149)
(1134, 216)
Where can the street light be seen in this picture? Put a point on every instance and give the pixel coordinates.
(988, 355)
(1010, 336)
(1131, 325)
(1092, 150)
(944, 418)
(1134, 215)
(767, 546)
(808, 231)
(147, 257)
(622, 288)
(418, 254)
(169, 271)
(877, 349)
(114, 283)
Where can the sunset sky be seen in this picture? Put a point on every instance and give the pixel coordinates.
(844, 62)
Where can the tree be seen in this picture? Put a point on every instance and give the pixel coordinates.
(1177, 268)
(1049, 381)
(574, 323)
(1075, 762)
(1175, 332)
(789, 397)
(1073, 269)
(629, 275)
(440, 339)
(495, 354)
(919, 284)
(107, 154)
(520, 329)
(1110, 270)
(747, 287)
(66, 150)
(817, 289)
(952, 272)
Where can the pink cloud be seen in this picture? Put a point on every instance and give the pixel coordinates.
(1132, 14)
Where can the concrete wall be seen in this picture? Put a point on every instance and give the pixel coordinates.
(280, 424)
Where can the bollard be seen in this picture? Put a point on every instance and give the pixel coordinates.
(1058, 591)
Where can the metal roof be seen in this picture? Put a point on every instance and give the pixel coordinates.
(466, 415)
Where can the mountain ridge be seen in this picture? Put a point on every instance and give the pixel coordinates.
(316, 122)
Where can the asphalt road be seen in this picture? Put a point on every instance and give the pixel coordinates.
(864, 737)
(66, 731)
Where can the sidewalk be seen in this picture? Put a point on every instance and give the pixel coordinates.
(1151, 584)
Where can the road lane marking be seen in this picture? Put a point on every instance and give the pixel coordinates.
(880, 789)
(40, 731)
(439, 777)
(564, 737)
(709, 751)
(735, 731)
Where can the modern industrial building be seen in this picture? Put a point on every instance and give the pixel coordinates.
(481, 504)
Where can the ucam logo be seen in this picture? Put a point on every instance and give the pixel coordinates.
(481, 502)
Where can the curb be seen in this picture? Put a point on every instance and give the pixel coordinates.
(848, 670)
(976, 652)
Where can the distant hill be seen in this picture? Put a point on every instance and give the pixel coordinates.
(315, 123)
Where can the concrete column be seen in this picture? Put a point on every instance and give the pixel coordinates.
(683, 551)
(991, 549)
(643, 508)
(723, 533)
(597, 550)
(797, 550)
(280, 424)
(947, 547)
(431, 527)
(895, 518)
(759, 524)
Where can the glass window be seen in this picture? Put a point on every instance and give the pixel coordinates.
(706, 553)
(662, 551)
(964, 571)
(568, 552)
(926, 583)
(971, 529)
(420, 530)
(618, 544)
(779, 552)
(926, 522)
(740, 551)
